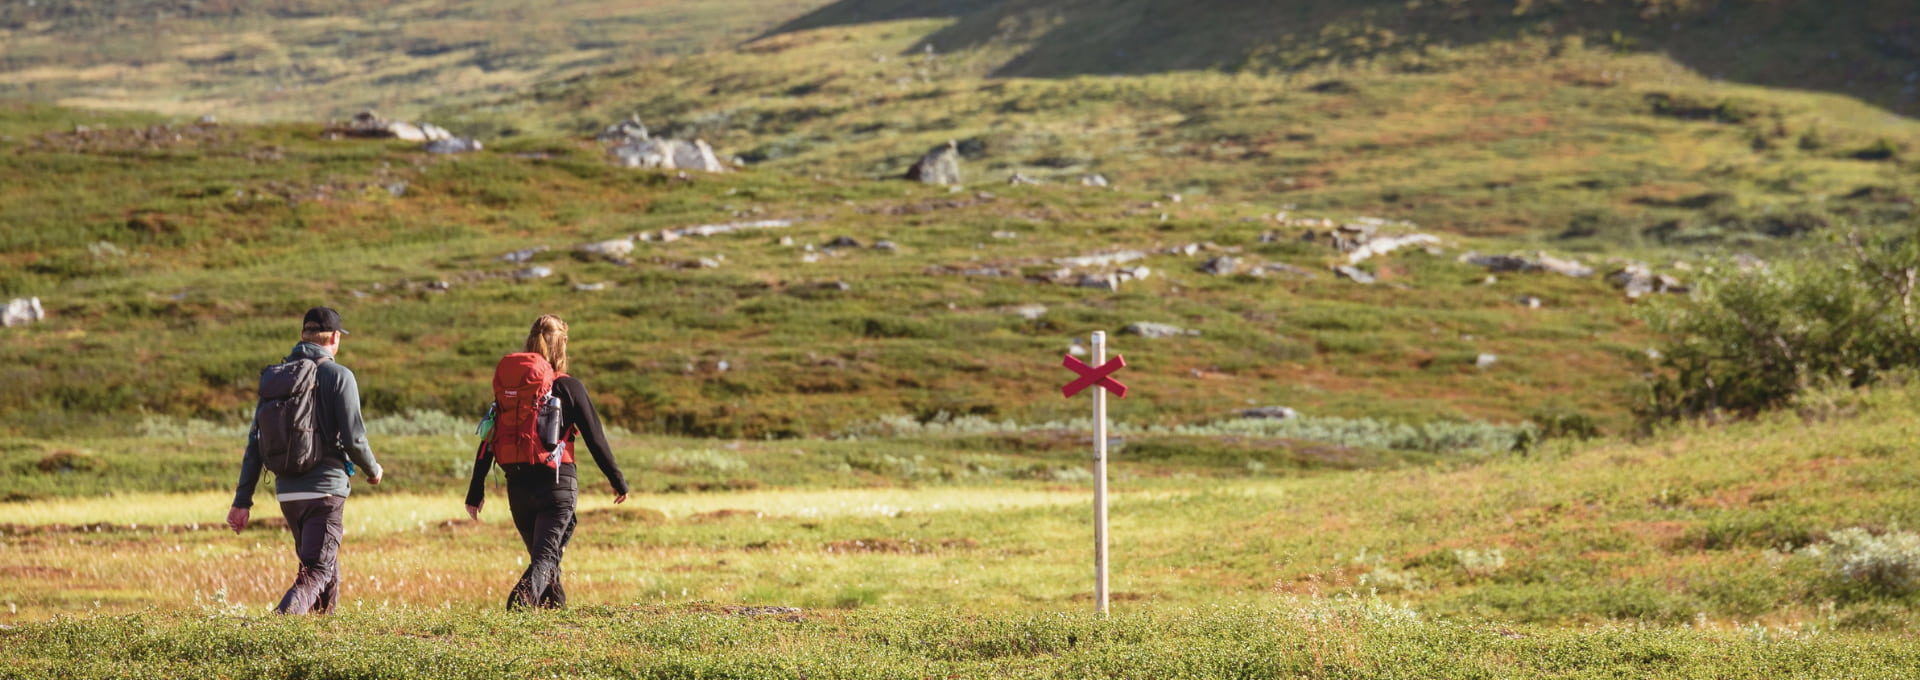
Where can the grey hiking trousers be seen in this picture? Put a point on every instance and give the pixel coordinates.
(542, 501)
(317, 526)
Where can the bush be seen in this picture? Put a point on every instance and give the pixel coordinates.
(1757, 337)
(1888, 563)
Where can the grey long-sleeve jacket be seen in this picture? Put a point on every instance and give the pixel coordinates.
(341, 432)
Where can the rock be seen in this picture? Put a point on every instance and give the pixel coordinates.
(1005, 234)
(1500, 263)
(697, 155)
(22, 311)
(1135, 273)
(1485, 361)
(1562, 267)
(534, 272)
(209, 119)
(1094, 181)
(1173, 198)
(1029, 311)
(1382, 246)
(1077, 349)
(786, 240)
(668, 154)
(453, 145)
(1270, 413)
(1100, 281)
(1103, 260)
(440, 286)
(629, 130)
(519, 256)
(370, 125)
(1354, 274)
(843, 242)
(1020, 179)
(887, 246)
(397, 189)
(1637, 280)
(1219, 266)
(939, 166)
(1529, 302)
(716, 229)
(1156, 331)
(614, 250)
(1285, 269)
(704, 263)
(589, 287)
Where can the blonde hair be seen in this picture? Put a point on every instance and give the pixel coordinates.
(549, 339)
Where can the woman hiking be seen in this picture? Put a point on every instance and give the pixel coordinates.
(532, 392)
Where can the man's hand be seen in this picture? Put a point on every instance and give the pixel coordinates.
(237, 519)
(622, 498)
(473, 511)
(375, 480)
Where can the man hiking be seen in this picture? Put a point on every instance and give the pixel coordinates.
(307, 431)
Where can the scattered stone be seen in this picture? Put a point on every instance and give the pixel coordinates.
(1020, 179)
(1529, 302)
(1029, 311)
(369, 125)
(1354, 274)
(1282, 268)
(1540, 262)
(1100, 281)
(613, 250)
(786, 240)
(1485, 361)
(534, 272)
(1005, 234)
(589, 287)
(440, 286)
(887, 246)
(1094, 181)
(629, 130)
(209, 119)
(1077, 349)
(1103, 260)
(670, 235)
(843, 242)
(22, 311)
(704, 263)
(841, 286)
(1156, 331)
(1270, 413)
(1173, 198)
(1220, 266)
(1381, 246)
(1637, 280)
(669, 154)
(520, 256)
(397, 189)
(1134, 273)
(939, 166)
(453, 145)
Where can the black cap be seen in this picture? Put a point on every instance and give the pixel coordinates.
(321, 320)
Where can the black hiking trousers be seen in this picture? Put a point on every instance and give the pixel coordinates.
(317, 526)
(542, 504)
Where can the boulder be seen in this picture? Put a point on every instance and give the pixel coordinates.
(1270, 413)
(1500, 263)
(1354, 274)
(1282, 268)
(1156, 331)
(1485, 361)
(453, 145)
(522, 255)
(1029, 311)
(22, 311)
(1219, 266)
(1384, 245)
(534, 272)
(629, 130)
(1135, 273)
(1100, 281)
(1019, 179)
(1562, 267)
(669, 154)
(843, 242)
(1637, 280)
(939, 166)
(1094, 181)
(887, 246)
(613, 250)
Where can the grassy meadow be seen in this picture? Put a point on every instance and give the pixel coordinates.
(840, 418)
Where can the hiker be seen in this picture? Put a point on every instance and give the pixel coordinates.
(538, 411)
(307, 431)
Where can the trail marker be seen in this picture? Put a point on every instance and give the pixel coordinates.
(1099, 374)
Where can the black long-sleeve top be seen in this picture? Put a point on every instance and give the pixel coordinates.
(577, 412)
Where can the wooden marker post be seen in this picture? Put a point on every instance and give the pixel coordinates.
(1090, 376)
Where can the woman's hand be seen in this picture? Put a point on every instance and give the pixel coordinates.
(622, 498)
(473, 511)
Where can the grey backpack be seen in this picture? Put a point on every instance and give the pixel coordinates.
(289, 438)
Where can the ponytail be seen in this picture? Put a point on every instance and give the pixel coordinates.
(549, 339)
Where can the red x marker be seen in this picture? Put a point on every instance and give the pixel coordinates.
(1090, 376)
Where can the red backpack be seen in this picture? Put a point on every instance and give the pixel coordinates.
(527, 414)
